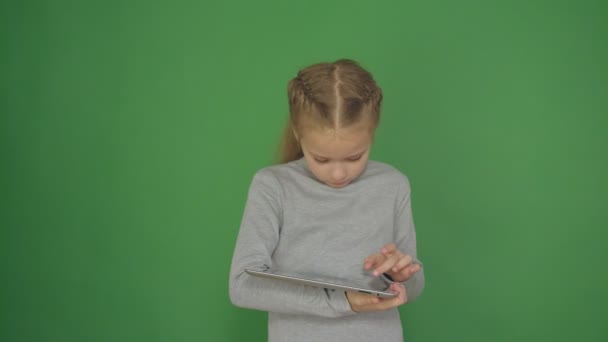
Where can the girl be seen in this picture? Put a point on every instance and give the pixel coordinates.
(327, 209)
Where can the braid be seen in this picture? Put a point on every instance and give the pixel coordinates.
(332, 95)
(306, 90)
(367, 93)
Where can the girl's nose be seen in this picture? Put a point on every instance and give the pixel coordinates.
(338, 174)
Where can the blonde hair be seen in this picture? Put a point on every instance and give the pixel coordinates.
(333, 95)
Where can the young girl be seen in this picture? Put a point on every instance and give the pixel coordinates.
(328, 210)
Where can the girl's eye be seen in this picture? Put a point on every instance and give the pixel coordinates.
(321, 161)
(355, 158)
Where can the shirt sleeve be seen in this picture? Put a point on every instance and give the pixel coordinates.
(256, 241)
(405, 239)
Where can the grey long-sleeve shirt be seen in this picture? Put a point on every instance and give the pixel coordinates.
(295, 223)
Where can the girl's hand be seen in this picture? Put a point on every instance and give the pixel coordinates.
(391, 261)
(360, 302)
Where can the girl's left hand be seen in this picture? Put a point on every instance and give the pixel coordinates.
(391, 261)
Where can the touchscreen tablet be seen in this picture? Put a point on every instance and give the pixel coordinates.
(317, 282)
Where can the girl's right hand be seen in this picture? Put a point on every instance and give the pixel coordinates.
(361, 302)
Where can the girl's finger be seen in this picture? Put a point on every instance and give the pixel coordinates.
(373, 300)
(410, 270)
(372, 261)
(386, 265)
(388, 248)
(390, 303)
(403, 262)
(402, 297)
(413, 268)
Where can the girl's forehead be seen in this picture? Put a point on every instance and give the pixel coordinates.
(355, 131)
(337, 143)
(352, 134)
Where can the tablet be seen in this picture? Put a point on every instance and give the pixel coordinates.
(317, 282)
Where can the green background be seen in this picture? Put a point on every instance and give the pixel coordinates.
(130, 130)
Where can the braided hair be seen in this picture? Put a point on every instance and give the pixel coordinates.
(333, 95)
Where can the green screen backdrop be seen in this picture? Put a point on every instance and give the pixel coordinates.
(130, 130)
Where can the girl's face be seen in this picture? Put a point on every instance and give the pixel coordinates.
(337, 156)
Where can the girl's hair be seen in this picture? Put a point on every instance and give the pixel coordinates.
(332, 95)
